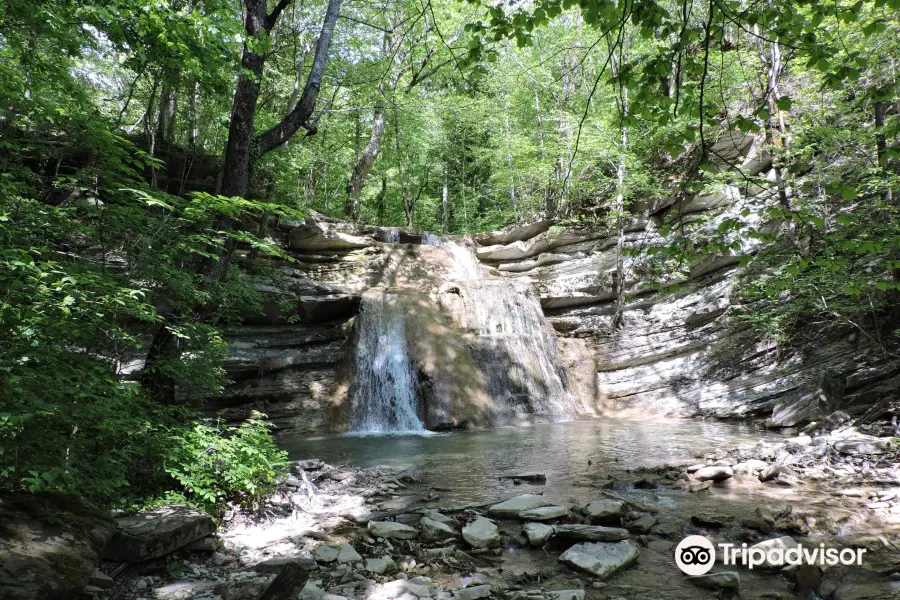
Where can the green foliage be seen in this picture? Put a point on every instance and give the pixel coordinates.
(217, 464)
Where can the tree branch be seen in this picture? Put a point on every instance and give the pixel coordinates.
(299, 116)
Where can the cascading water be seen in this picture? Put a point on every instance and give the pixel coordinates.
(518, 350)
(384, 395)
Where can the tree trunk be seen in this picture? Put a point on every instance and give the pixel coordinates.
(367, 157)
(620, 221)
(168, 107)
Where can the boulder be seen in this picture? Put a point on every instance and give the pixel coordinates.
(592, 533)
(481, 533)
(601, 559)
(715, 473)
(530, 476)
(822, 397)
(537, 533)
(49, 545)
(394, 531)
(544, 513)
(721, 580)
(156, 533)
(514, 506)
(605, 512)
(434, 531)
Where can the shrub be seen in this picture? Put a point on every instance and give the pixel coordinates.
(216, 464)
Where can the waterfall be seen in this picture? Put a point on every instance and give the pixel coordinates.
(384, 393)
(518, 353)
(465, 263)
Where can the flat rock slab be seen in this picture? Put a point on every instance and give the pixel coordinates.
(348, 554)
(537, 533)
(43, 555)
(391, 530)
(601, 559)
(473, 593)
(380, 566)
(544, 513)
(325, 554)
(641, 525)
(481, 533)
(591, 533)
(532, 477)
(711, 520)
(274, 565)
(605, 512)
(715, 473)
(514, 506)
(156, 533)
(868, 445)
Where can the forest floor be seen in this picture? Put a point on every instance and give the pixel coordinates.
(841, 489)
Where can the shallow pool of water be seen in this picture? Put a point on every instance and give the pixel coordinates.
(469, 464)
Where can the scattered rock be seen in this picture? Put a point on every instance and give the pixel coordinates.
(391, 530)
(435, 531)
(439, 517)
(537, 533)
(864, 445)
(481, 533)
(601, 559)
(566, 594)
(641, 525)
(592, 533)
(380, 566)
(347, 554)
(274, 565)
(101, 580)
(533, 477)
(158, 532)
(605, 512)
(544, 513)
(695, 468)
(700, 486)
(877, 591)
(711, 520)
(473, 593)
(724, 580)
(770, 473)
(207, 544)
(715, 473)
(219, 559)
(514, 506)
(325, 554)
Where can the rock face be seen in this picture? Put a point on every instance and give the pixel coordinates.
(680, 353)
(156, 533)
(43, 556)
(600, 559)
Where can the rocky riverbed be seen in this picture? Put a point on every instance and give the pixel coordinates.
(337, 532)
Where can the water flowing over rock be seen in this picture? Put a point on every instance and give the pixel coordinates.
(385, 392)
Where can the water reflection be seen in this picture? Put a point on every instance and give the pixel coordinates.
(469, 463)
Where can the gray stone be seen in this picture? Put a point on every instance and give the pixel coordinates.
(537, 533)
(514, 506)
(566, 594)
(274, 565)
(592, 533)
(218, 559)
(325, 554)
(101, 580)
(861, 591)
(711, 520)
(311, 591)
(718, 473)
(532, 477)
(439, 517)
(783, 543)
(725, 580)
(473, 593)
(156, 533)
(347, 554)
(601, 559)
(394, 531)
(865, 445)
(207, 544)
(544, 513)
(380, 566)
(481, 533)
(641, 525)
(434, 531)
(605, 512)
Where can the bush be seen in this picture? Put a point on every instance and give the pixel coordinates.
(216, 464)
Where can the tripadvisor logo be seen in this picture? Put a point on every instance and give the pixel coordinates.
(696, 555)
